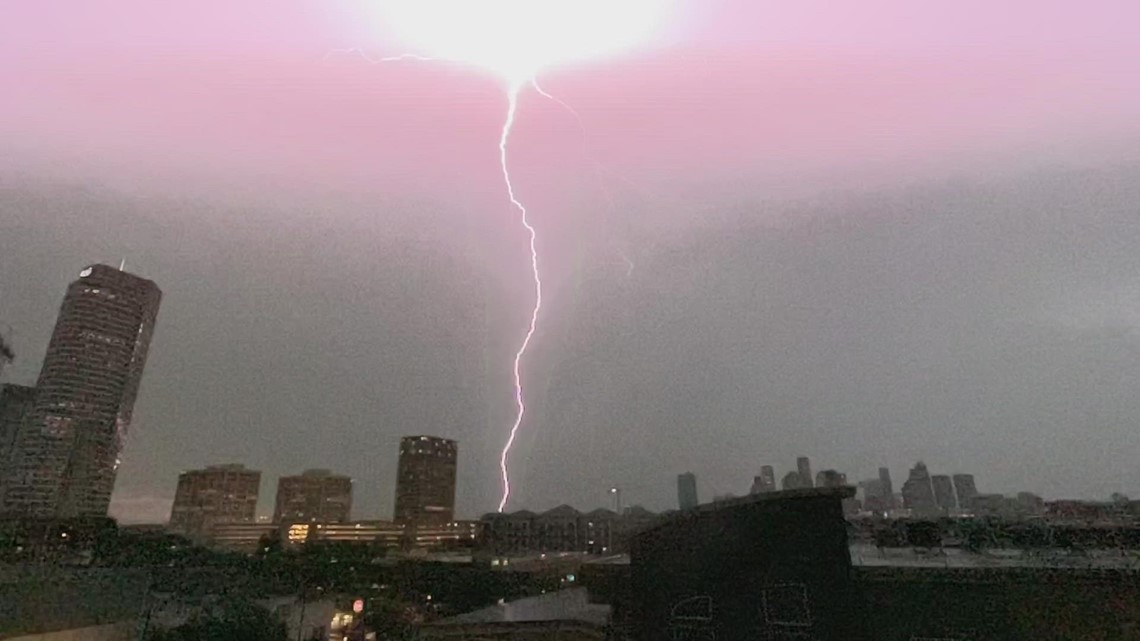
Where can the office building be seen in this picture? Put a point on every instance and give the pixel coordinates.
(943, 492)
(562, 529)
(67, 454)
(314, 495)
(918, 493)
(887, 487)
(803, 467)
(792, 481)
(765, 482)
(215, 495)
(425, 481)
(830, 478)
(15, 403)
(687, 491)
(966, 490)
(875, 496)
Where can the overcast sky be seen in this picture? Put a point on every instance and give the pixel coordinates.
(870, 233)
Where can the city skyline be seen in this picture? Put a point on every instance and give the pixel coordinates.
(866, 233)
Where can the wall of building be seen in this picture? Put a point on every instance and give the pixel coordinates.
(772, 566)
(1000, 604)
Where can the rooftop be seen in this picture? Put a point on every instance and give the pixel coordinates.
(564, 605)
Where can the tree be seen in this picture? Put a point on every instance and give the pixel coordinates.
(234, 620)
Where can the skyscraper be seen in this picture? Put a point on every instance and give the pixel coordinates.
(217, 494)
(67, 452)
(965, 489)
(918, 493)
(943, 492)
(887, 488)
(803, 467)
(687, 491)
(425, 480)
(792, 481)
(766, 482)
(830, 478)
(314, 495)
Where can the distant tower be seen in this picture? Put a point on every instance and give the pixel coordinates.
(887, 488)
(918, 493)
(313, 495)
(216, 494)
(803, 467)
(792, 481)
(943, 492)
(425, 480)
(687, 491)
(766, 482)
(67, 453)
(830, 478)
(966, 490)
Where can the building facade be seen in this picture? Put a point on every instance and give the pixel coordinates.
(67, 453)
(425, 481)
(918, 493)
(944, 492)
(562, 529)
(313, 495)
(888, 488)
(15, 403)
(687, 491)
(966, 490)
(215, 495)
(803, 467)
(765, 482)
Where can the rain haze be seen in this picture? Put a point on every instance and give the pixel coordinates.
(858, 231)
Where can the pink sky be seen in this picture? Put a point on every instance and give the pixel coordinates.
(736, 91)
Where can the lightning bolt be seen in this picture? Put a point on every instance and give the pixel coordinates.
(520, 404)
(504, 138)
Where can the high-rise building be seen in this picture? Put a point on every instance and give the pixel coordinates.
(766, 482)
(314, 495)
(15, 403)
(792, 481)
(687, 491)
(803, 467)
(425, 480)
(943, 492)
(216, 494)
(830, 478)
(888, 488)
(918, 493)
(875, 496)
(67, 452)
(965, 489)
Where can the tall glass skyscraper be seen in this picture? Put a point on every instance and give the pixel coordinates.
(66, 453)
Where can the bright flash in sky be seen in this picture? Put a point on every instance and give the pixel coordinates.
(517, 38)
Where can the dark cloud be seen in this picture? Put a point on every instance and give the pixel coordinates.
(984, 326)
